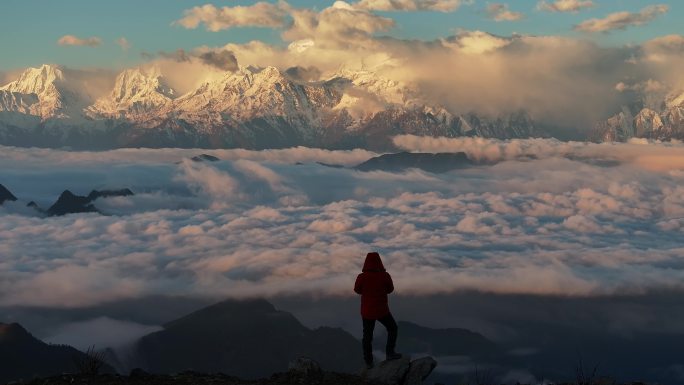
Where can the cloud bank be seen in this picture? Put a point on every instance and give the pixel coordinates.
(544, 217)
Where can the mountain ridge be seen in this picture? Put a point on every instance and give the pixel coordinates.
(662, 120)
(250, 107)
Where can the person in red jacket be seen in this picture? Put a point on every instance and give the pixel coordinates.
(374, 283)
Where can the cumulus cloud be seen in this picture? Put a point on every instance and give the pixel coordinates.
(501, 12)
(305, 74)
(340, 25)
(564, 5)
(544, 217)
(571, 89)
(123, 43)
(622, 20)
(73, 40)
(649, 85)
(261, 14)
(179, 55)
(223, 60)
(185, 70)
(410, 5)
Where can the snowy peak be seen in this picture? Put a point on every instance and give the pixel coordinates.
(135, 92)
(663, 122)
(43, 92)
(39, 81)
(675, 99)
(251, 92)
(132, 84)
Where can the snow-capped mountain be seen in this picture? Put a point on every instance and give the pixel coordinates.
(662, 122)
(135, 93)
(252, 92)
(43, 92)
(250, 107)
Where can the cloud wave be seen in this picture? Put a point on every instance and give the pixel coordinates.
(545, 217)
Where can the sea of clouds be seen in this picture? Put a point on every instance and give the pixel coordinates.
(536, 216)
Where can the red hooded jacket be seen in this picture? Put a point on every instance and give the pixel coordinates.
(374, 283)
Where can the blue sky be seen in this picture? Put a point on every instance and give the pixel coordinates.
(30, 28)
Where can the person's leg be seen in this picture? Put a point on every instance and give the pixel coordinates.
(367, 342)
(392, 332)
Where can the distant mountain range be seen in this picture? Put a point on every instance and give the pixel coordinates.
(68, 202)
(245, 338)
(662, 119)
(250, 107)
(257, 108)
(435, 163)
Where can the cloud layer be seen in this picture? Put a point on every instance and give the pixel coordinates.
(544, 217)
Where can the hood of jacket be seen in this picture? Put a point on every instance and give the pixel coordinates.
(373, 263)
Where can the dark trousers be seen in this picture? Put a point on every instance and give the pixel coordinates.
(368, 327)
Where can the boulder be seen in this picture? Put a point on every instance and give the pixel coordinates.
(305, 366)
(419, 370)
(390, 372)
(402, 371)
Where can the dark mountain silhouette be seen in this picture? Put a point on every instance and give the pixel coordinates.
(6, 195)
(441, 342)
(23, 356)
(330, 165)
(249, 339)
(68, 203)
(124, 192)
(436, 163)
(205, 158)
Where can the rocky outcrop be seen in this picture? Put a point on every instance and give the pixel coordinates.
(419, 370)
(69, 203)
(6, 195)
(204, 158)
(402, 371)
